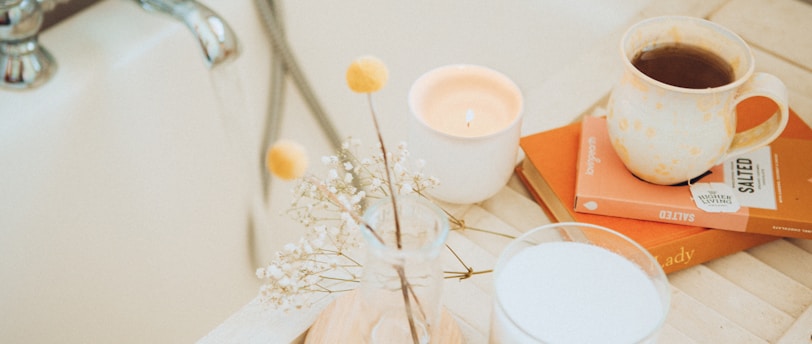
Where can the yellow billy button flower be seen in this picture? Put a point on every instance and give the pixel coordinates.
(286, 159)
(367, 74)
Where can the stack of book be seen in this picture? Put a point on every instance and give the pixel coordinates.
(574, 173)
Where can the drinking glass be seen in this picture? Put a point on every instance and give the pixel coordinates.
(577, 283)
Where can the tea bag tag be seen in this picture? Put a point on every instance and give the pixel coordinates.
(715, 197)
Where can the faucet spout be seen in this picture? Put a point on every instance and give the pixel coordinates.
(215, 37)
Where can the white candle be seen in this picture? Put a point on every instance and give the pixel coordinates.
(561, 291)
(467, 124)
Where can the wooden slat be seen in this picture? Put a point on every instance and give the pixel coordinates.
(332, 323)
(695, 8)
(806, 245)
(470, 305)
(783, 256)
(801, 330)
(515, 209)
(770, 24)
(256, 323)
(516, 186)
(732, 302)
(704, 325)
(469, 333)
(763, 281)
(797, 79)
(479, 219)
(670, 335)
(802, 104)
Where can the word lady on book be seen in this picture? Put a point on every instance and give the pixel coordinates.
(773, 185)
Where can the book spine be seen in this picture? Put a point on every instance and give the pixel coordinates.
(634, 210)
(674, 255)
(742, 221)
(661, 213)
(708, 245)
(779, 227)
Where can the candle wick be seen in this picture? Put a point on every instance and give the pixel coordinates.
(469, 117)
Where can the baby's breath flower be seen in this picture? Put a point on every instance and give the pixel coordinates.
(367, 74)
(322, 260)
(406, 188)
(332, 174)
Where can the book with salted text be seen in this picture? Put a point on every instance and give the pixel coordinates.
(768, 191)
(549, 172)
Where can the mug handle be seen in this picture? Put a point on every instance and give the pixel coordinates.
(766, 85)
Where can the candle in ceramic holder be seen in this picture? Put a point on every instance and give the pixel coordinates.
(466, 126)
(577, 283)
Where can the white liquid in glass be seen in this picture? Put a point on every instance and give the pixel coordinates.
(568, 292)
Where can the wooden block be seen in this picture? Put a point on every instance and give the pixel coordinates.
(342, 321)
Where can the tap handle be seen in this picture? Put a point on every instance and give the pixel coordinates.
(21, 19)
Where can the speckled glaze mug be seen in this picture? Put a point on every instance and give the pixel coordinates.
(666, 134)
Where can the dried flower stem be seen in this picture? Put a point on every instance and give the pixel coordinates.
(486, 231)
(389, 180)
(459, 224)
(404, 288)
(469, 271)
(404, 284)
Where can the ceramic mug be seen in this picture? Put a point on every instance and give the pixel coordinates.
(667, 134)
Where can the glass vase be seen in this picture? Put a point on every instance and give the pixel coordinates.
(402, 279)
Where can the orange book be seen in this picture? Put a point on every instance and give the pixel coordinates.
(549, 172)
(771, 187)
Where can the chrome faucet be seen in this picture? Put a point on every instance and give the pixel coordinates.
(25, 64)
(216, 39)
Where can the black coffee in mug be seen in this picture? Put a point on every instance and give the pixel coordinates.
(685, 66)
